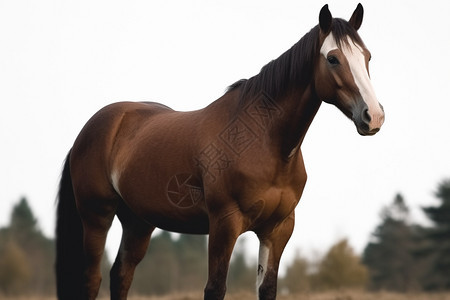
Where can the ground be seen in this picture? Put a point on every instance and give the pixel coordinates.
(335, 295)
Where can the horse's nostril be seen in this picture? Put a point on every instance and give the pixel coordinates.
(366, 116)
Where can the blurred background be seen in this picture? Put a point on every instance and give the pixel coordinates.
(401, 256)
(368, 199)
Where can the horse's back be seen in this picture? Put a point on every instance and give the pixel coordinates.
(107, 120)
(91, 152)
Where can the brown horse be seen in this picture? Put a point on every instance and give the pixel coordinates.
(234, 166)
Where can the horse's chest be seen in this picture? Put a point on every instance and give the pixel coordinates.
(269, 206)
(270, 199)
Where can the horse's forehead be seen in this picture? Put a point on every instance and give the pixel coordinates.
(328, 45)
(349, 48)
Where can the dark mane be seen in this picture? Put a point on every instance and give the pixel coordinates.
(341, 29)
(296, 65)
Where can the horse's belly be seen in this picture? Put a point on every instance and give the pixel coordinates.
(192, 223)
(178, 209)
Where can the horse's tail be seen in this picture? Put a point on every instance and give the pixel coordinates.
(69, 240)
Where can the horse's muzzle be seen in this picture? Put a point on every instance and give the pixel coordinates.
(367, 132)
(368, 123)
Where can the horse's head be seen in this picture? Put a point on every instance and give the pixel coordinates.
(342, 71)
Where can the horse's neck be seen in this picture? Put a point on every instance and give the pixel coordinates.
(299, 109)
(284, 120)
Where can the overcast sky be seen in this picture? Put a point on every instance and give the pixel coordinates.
(61, 61)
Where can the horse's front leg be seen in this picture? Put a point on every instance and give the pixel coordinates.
(270, 250)
(223, 233)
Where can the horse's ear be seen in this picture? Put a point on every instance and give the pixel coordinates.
(357, 17)
(325, 19)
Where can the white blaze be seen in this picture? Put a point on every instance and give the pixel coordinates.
(328, 45)
(356, 60)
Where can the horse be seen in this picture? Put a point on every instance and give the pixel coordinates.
(234, 166)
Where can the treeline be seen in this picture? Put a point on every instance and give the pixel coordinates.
(26, 255)
(401, 256)
(172, 265)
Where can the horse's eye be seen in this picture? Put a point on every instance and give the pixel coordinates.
(333, 60)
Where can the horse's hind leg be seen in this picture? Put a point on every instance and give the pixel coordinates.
(96, 216)
(135, 238)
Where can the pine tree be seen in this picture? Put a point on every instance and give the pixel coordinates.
(159, 272)
(241, 274)
(172, 265)
(297, 278)
(29, 251)
(15, 270)
(341, 268)
(23, 224)
(389, 254)
(191, 256)
(438, 238)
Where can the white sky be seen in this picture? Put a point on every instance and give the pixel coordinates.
(61, 61)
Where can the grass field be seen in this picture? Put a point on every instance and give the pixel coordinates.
(315, 296)
(337, 295)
